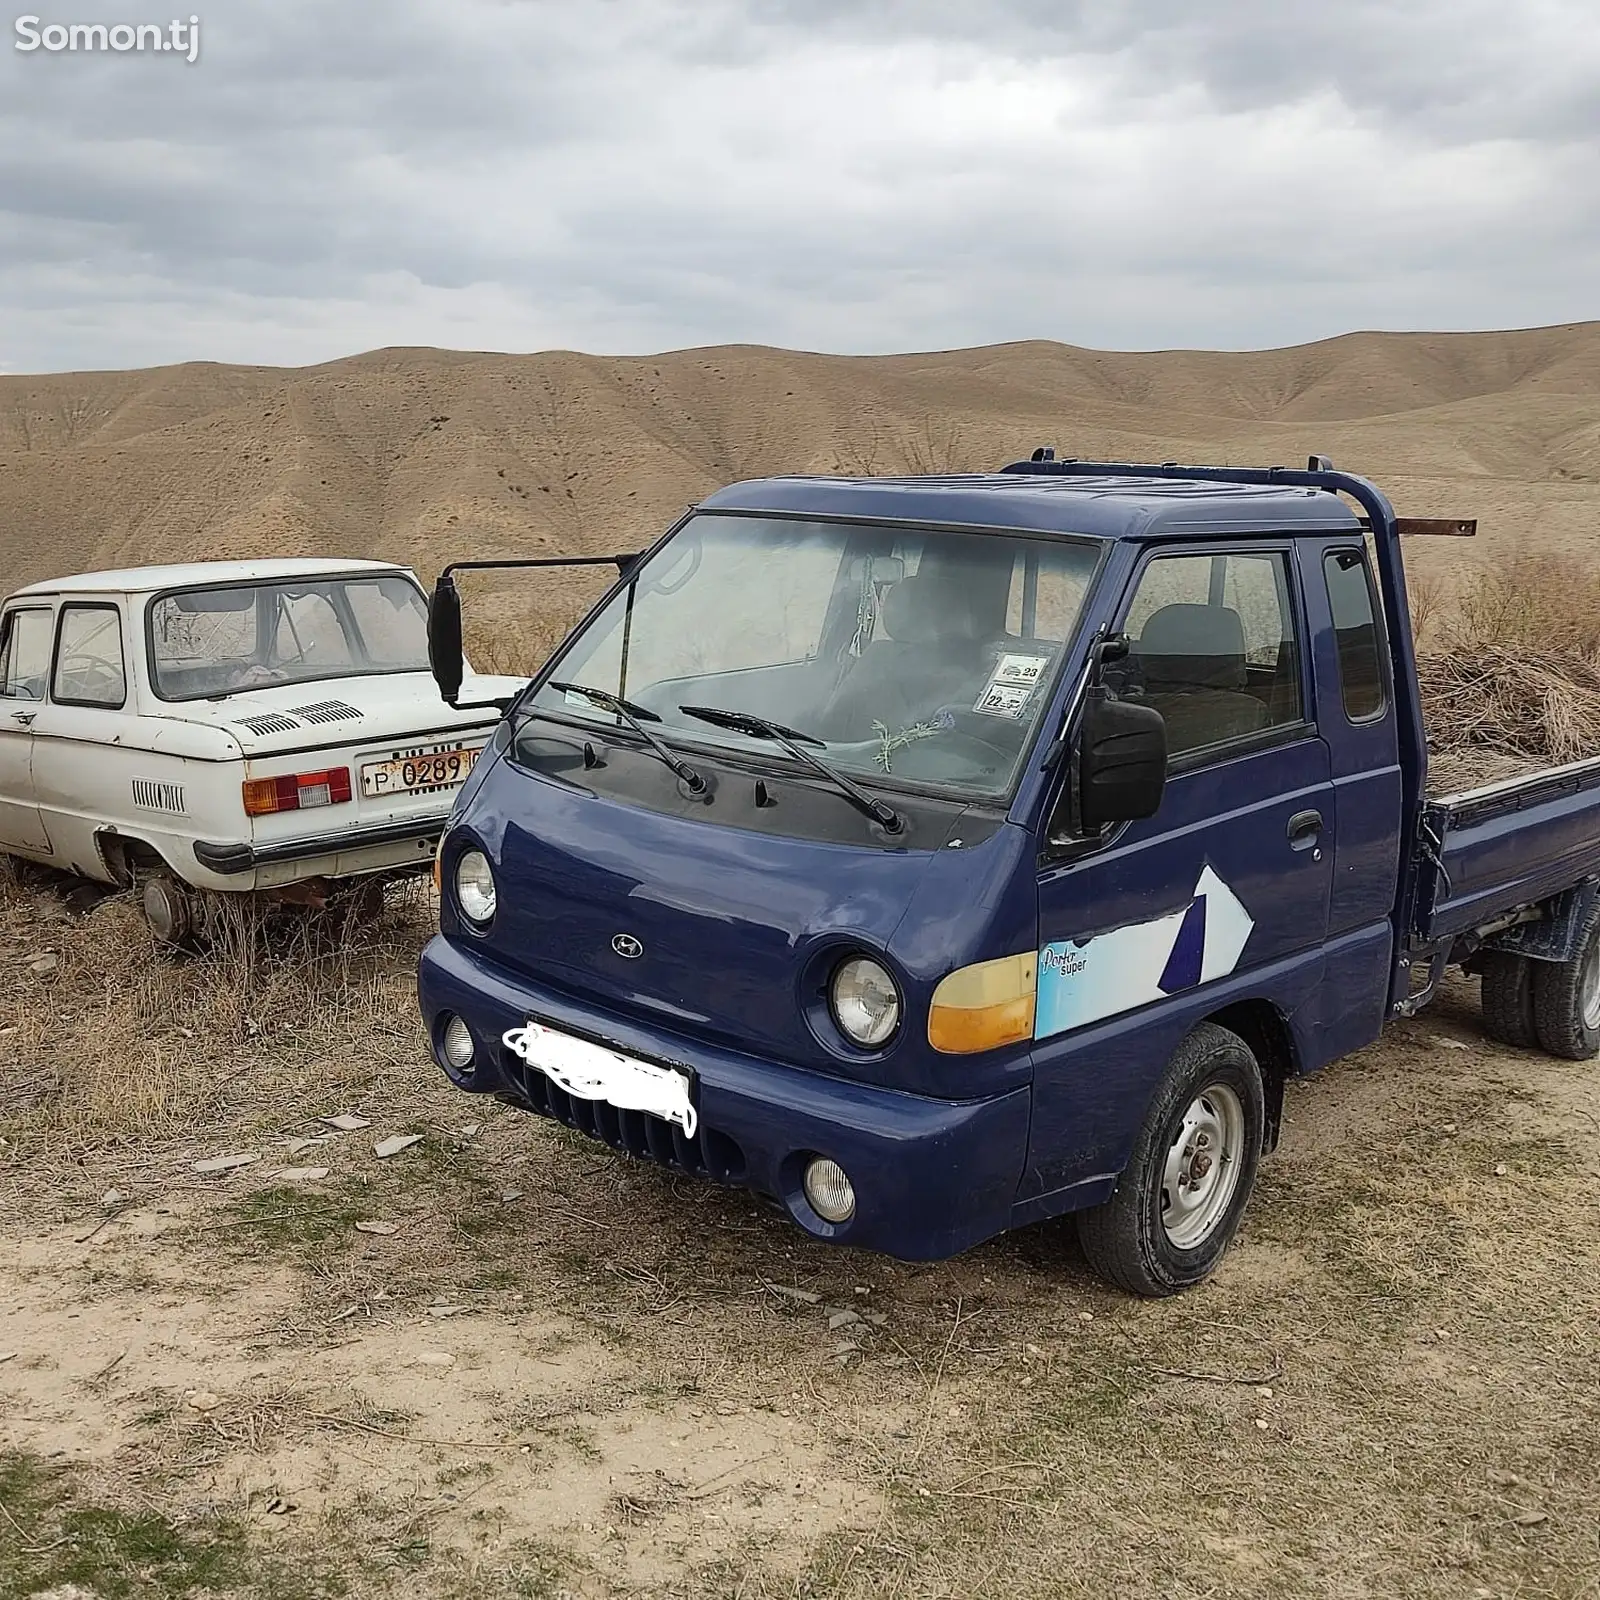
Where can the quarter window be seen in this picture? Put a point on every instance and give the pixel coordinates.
(89, 666)
(25, 655)
(1214, 648)
(1354, 626)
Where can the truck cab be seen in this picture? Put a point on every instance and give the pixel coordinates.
(936, 856)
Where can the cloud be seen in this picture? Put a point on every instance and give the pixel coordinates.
(627, 175)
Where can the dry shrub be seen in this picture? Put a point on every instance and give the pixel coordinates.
(1535, 602)
(1425, 600)
(516, 649)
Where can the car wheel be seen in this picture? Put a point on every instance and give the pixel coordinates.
(1566, 997)
(169, 912)
(1179, 1199)
(1508, 1000)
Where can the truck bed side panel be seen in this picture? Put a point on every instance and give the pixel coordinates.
(1510, 845)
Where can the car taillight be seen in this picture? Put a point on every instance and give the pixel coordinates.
(296, 791)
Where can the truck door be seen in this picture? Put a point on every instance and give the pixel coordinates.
(1146, 931)
(1356, 717)
(24, 673)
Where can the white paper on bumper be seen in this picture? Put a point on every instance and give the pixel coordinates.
(595, 1072)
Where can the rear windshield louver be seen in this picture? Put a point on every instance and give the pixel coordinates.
(151, 795)
(326, 711)
(268, 722)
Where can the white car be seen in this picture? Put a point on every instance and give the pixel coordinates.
(230, 726)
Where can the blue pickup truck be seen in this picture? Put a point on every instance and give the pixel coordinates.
(938, 855)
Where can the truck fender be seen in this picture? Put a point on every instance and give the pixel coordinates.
(1553, 936)
(1265, 1029)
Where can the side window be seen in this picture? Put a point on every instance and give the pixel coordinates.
(1355, 628)
(25, 655)
(1215, 647)
(89, 666)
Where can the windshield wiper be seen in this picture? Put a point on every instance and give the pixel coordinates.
(636, 717)
(795, 743)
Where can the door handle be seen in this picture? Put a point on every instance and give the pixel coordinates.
(24, 717)
(1305, 827)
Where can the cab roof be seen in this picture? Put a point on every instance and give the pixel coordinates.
(192, 574)
(1120, 507)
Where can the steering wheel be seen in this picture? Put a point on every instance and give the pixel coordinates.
(966, 726)
(93, 675)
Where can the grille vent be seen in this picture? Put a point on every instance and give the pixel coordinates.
(151, 795)
(268, 722)
(327, 711)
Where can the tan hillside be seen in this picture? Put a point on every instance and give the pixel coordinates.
(423, 455)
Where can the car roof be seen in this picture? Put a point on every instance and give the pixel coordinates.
(1118, 507)
(189, 574)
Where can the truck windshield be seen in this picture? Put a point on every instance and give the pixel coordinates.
(904, 655)
(208, 642)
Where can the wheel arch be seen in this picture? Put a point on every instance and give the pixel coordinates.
(125, 856)
(1266, 1030)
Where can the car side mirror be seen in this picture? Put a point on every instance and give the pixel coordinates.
(444, 637)
(1122, 760)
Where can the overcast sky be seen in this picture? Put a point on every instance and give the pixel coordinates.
(850, 175)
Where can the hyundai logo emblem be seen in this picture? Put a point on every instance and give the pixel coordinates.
(627, 946)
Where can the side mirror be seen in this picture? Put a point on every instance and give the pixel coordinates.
(444, 637)
(1122, 760)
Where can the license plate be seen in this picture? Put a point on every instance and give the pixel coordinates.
(596, 1072)
(440, 770)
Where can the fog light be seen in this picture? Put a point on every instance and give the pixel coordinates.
(457, 1043)
(832, 1195)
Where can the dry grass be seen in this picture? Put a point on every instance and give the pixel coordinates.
(1511, 680)
(119, 1041)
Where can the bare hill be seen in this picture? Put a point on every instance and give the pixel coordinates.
(421, 455)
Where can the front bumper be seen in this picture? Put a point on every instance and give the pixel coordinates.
(932, 1177)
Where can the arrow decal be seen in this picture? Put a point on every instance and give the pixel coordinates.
(1084, 982)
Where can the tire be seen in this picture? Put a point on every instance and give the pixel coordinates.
(1508, 999)
(1566, 997)
(1137, 1240)
(353, 909)
(169, 912)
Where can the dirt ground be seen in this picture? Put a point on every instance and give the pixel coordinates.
(504, 1362)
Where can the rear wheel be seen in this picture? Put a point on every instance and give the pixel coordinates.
(1566, 997)
(353, 908)
(169, 912)
(1179, 1199)
(1508, 1000)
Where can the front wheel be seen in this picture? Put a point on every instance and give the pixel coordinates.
(1179, 1199)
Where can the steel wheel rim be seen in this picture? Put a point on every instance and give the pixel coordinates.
(1589, 988)
(1201, 1174)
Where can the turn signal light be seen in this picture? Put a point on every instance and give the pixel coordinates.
(979, 1007)
(296, 791)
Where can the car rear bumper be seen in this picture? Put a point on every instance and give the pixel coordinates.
(416, 836)
(932, 1177)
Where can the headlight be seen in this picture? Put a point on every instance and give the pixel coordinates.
(475, 888)
(866, 1004)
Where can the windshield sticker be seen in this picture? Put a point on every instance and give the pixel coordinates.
(1014, 678)
(1080, 983)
